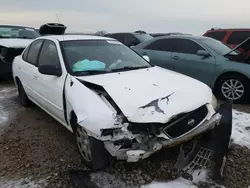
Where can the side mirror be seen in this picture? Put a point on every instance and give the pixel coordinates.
(203, 53)
(50, 70)
(146, 58)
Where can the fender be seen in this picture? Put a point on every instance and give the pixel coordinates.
(92, 112)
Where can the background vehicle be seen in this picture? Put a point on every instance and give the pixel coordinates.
(166, 34)
(231, 37)
(206, 59)
(130, 39)
(13, 40)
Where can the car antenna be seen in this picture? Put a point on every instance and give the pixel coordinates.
(58, 18)
(59, 22)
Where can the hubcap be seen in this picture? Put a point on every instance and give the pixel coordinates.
(232, 89)
(83, 143)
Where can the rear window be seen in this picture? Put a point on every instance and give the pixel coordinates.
(218, 35)
(238, 37)
(144, 37)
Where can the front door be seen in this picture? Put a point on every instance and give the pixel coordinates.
(184, 59)
(48, 87)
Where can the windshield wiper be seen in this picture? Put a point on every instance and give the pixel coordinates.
(130, 68)
(24, 38)
(88, 72)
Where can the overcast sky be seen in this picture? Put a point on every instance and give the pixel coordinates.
(189, 16)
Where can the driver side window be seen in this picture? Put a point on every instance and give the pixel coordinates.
(49, 55)
(186, 46)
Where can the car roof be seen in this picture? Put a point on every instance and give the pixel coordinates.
(74, 37)
(133, 33)
(183, 37)
(229, 29)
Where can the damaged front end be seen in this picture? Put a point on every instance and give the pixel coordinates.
(211, 128)
(138, 141)
(212, 149)
(133, 141)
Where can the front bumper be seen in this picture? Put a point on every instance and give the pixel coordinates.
(136, 154)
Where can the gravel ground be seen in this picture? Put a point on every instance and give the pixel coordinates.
(35, 147)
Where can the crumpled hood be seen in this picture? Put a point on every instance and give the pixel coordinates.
(154, 94)
(15, 43)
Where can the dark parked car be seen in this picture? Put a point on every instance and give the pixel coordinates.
(231, 37)
(13, 40)
(224, 69)
(130, 39)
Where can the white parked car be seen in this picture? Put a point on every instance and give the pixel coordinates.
(112, 99)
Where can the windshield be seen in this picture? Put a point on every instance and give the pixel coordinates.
(84, 57)
(18, 32)
(218, 46)
(144, 37)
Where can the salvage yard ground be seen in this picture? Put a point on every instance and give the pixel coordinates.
(36, 151)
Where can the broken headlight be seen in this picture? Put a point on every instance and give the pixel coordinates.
(214, 102)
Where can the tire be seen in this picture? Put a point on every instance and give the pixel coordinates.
(24, 100)
(233, 87)
(92, 151)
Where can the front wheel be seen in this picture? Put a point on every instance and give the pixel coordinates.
(92, 151)
(233, 87)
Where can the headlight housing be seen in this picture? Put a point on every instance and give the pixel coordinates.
(214, 102)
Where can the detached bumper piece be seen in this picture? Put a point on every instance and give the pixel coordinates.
(212, 150)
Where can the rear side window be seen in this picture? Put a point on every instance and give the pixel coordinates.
(218, 35)
(25, 53)
(161, 45)
(34, 51)
(238, 36)
(187, 46)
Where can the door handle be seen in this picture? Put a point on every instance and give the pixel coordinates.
(144, 53)
(175, 57)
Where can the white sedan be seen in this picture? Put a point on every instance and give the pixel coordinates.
(112, 99)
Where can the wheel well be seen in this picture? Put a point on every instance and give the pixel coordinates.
(73, 121)
(227, 74)
(17, 79)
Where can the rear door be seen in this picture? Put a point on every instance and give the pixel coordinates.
(28, 68)
(49, 88)
(159, 52)
(185, 60)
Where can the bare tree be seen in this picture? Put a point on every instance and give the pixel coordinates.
(100, 33)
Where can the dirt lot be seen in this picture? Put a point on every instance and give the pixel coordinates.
(36, 150)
